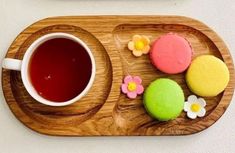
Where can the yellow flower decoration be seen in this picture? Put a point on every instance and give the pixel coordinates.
(139, 45)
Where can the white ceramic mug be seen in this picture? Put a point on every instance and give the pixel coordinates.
(23, 66)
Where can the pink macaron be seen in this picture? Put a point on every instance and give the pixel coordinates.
(171, 53)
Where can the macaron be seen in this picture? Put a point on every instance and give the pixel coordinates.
(207, 76)
(171, 53)
(164, 99)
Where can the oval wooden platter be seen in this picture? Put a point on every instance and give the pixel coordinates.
(104, 111)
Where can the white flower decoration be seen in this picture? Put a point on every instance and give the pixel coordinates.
(195, 107)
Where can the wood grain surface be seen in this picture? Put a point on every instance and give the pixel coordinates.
(104, 111)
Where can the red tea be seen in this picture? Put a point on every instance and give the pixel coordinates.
(60, 69)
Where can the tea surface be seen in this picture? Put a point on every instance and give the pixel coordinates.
(60, 69)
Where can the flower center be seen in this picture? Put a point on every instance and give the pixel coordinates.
(131, 86)
(139, 45)
(195, 107)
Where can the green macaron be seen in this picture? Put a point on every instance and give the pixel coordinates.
(164, 99)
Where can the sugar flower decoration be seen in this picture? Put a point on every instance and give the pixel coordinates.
(132, 86)
(195, 107)
(139, 45)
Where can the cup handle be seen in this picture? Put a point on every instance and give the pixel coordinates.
(12, 64)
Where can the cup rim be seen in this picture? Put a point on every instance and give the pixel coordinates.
(25, 64)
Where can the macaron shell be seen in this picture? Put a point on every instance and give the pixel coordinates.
(171, 54)
(164, 99)
(207, 76)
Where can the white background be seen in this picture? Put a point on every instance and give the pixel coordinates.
(15, 15)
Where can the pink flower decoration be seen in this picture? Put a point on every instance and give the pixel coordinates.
(132, 86)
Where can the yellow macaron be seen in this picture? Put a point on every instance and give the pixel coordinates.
(207, 76)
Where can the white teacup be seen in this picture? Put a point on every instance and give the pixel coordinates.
(23, 66)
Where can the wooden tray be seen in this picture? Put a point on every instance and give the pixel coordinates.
(105, 111)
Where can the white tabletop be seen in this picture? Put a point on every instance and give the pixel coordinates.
(15, 15)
